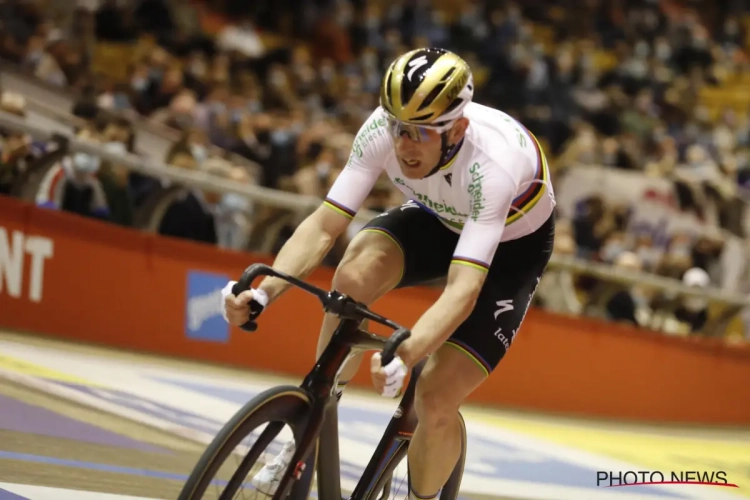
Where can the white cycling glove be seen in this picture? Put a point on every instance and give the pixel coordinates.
(259, 296)
(395, 373)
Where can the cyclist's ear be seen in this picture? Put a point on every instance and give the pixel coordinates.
(457, 132)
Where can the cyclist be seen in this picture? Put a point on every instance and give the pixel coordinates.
(480, 212)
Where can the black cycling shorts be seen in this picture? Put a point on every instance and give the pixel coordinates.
(514, 274)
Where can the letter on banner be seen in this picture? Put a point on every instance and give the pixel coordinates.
(12, 258)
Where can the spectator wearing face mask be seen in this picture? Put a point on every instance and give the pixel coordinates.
(615, 245)
(592, 225)
(317, 177)
(163, 86)
(707, 251)
(232, 211)
(188, 213)
(623, 305)
(678, 257)
(73, 187)
(114, 179)
(649, 254)
(276, 135)
(180, 113)
(693, 311)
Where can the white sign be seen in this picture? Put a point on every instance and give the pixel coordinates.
(14, 247)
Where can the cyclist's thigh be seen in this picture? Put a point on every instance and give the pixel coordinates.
(424, 242)
(516, 270)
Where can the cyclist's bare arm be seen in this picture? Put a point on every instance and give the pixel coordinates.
(305, 250)
(313, 239)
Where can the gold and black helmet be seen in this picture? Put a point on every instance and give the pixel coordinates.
(428, 86)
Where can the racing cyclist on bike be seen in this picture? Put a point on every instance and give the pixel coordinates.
(480, 212)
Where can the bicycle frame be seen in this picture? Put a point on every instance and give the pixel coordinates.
(319, 427)
(322, 423)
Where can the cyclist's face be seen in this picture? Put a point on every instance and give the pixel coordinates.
(418, 153)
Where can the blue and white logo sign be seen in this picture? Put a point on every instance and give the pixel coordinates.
(203, 318)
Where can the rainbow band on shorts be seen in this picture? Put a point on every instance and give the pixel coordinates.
(476, 264)
(339, 208)
(471, 353)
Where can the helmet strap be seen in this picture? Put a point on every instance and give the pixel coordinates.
(447, 152)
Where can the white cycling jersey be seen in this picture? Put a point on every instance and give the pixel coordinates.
(496, 188)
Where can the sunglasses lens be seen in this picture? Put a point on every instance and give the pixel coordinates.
(413, 132)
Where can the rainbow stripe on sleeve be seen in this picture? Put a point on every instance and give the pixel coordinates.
(526, 200)
(339, 208)
(476, 264)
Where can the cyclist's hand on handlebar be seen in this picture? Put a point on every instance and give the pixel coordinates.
(238, 309)
(389, 379)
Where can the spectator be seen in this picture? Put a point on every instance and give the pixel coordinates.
(114, 179)
(232, 211)
(592, 226)
(73, 187)
(113, 22)
(623, 304)
(557, 291)
(615, 86)
(189, 213)
(693, 311)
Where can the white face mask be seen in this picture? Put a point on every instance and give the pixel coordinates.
(694, 304)
(663, 51)
(199, 152)
(232, 202)
(85, 163)
(612, 250)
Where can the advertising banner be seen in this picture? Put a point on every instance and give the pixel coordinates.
(73, 278)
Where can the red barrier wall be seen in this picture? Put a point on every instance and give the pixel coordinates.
(88, 281)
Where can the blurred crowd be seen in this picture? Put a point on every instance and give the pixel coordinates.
(285, 85)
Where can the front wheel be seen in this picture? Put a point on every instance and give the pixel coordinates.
(270, 422)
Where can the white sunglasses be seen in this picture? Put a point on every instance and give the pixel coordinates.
(417, 133)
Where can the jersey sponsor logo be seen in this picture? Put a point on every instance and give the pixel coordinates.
(409, 204)
(438, 208)
(369, 131)
(503, 306)
(521, 138)
(503, 339)
(475, 191)
(203, 312)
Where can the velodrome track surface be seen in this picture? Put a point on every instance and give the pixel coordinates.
(80, 423)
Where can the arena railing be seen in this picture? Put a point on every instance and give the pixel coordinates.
(729, 304)
(152, 139)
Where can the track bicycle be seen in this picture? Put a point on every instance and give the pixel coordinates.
(310, 412)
